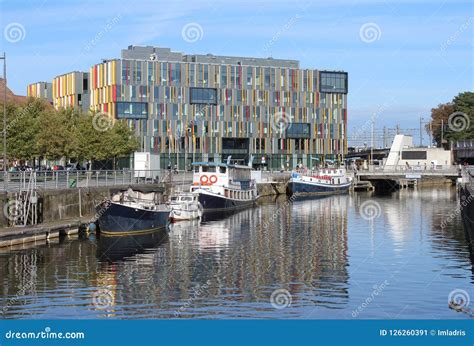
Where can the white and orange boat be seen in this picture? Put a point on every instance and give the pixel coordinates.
(223, 186)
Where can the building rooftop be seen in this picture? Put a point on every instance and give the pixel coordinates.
(165, 54)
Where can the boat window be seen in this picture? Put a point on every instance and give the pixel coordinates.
(338, 181)
(186, 198)
(174, 198)
(222, 170)
(206, 169)
(196, 169)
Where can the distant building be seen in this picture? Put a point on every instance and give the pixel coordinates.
(71, 90)
(42, 90)
(205, 107)
(403, 154)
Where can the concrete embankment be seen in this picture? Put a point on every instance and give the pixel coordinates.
(271, 188)
(62, 204)
(466, 194)
(39, 233)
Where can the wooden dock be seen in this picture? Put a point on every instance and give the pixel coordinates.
(39, 233)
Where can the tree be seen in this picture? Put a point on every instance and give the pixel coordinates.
(439, 120)
(457, 118)
(121, 141)
(22, 125)
(54, 135)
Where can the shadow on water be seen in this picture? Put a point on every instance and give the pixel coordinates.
(112, 249)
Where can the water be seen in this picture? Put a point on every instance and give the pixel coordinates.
(336, 257)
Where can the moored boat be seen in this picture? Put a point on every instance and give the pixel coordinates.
(223, 186)
(132, 211)
(184, 206)
(327, 181)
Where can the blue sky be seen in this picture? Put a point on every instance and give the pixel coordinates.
(421, 54)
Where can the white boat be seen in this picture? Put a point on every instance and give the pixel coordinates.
(326, 181)
(223, 186)
(184, 206)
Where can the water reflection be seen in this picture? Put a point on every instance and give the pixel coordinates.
(112, 249)
(321, 250)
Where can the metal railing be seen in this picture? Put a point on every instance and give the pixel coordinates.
(428, 169)
(16, 181)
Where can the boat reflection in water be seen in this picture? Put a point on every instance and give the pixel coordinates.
(111, 249)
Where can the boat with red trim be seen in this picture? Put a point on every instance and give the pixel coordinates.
(326, 181)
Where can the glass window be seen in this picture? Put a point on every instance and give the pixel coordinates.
(203, 96)
(249, 75)
(333, 82)
(132, 110)
(298, 130)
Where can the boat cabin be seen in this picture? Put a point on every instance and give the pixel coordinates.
(231, 181)
(183, 198)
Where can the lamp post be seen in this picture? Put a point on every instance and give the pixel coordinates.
(421, 131)
(4, 58)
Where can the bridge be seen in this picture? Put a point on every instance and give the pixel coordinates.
(394, 177)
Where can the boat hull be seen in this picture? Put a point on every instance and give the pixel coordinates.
(119, 219)
(213, 202)
(181, 215)
(300, 188)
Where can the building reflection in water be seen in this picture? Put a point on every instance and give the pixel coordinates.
(229, 267)
(300, 246)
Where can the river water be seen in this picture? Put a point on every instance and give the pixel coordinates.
(349, 257)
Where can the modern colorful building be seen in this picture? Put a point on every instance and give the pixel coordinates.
(71, 90)
(205, 107)
(41, 90)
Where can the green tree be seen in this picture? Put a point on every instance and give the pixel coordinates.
(457, 118)
(121, 141)
(439, 120)
(22, 125)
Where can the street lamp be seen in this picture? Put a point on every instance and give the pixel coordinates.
(4, 58)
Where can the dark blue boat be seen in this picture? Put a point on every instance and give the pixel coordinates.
(223, 186)
(324, 182)
(132, 212)
(211, 201)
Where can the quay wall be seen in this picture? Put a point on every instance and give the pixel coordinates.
(466, 198)
(64, 204)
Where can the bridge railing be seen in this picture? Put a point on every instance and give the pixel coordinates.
(16, 181)
(440, 169)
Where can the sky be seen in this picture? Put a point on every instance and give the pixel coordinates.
(403, 56)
